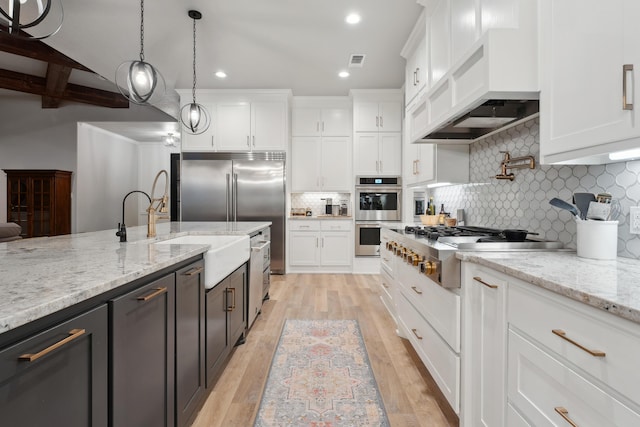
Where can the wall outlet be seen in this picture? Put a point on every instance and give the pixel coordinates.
(634, 219)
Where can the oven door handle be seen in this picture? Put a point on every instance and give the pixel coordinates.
(379, 189)
(368, 226)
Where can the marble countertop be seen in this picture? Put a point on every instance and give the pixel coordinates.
(43, 275)
(323, 217)
(612, 286)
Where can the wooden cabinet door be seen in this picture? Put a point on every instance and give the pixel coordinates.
(336, 248)
(390, 162)
(304, 248)
(233, 130)
(485, 341)
(216, 329)
(190, 341)
(204, 141)
(65, 386)
(390, 116)
(366, 152)
(305, 163)
(336, 122)
(19, 203)
(268, 126)
(582, 76)
(236, 304)
(305, 121)
(143, 346)
(336, 170)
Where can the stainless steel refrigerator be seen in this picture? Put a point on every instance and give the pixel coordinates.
(237, 187)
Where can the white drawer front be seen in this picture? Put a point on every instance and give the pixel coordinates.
(440, 360)
(438, 305)
(514, 419)
(339, 225)
(304, 225)
(539, 386)
(538, 313)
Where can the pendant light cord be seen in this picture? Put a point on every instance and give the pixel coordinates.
(194, 61)
(142, 30)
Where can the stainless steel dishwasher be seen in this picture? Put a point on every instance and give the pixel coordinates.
(258, 267)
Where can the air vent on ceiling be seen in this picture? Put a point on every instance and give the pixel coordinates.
(356, 60)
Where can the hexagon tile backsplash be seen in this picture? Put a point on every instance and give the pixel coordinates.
(524, 202)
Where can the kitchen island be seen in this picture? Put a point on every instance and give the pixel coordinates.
(128, 330)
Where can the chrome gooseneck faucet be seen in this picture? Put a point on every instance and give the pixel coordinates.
(161, 204)
(122, 229)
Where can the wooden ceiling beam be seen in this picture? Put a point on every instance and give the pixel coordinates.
(56, 83)
(37, 49)
(21, 82)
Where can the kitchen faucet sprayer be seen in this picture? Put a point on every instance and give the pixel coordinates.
(160, 204)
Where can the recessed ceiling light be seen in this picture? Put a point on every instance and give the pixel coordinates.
(221, 74)
(343, 74)
(353, 18)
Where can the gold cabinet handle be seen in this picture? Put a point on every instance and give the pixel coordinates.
(415, 332)
(233, 304)
(416, 290)
(565, 414)
(626, 68)
(562, 334)
(194, 271)
(73, 334)
(488, 285)
(155, 293)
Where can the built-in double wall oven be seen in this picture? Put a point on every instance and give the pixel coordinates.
(378, 199)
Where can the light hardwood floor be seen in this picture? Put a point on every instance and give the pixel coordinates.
(405, 386)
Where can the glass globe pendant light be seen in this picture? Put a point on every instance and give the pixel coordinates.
(139, 81)
(194, 117)
(31, 19)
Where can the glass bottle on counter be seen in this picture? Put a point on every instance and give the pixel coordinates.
(432, 206)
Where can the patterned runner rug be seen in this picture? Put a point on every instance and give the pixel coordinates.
(320, 377)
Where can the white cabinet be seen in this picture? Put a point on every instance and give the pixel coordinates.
(204, 141)
(378, 153)
(383, 116)
(590, 58)
(484, 341)
(415, 52)
(321, 164)
(439, 38)
(255, 126)
(320, 245)
(321, 121)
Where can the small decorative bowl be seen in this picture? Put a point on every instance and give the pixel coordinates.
(429, 219)
(450, 222)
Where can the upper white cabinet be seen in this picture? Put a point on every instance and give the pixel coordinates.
(204, 141)
(590, 65)
(383, 116)
(378, 153)
(415, 52)
(258, 126)
(306, 121)
(477, 51)
(321, 164)
(241, 121)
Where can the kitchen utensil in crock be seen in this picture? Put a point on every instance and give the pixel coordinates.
(582, 200)
(559, 203)
(603, 198)
(516, 235)
(614, 213)
(599, 211)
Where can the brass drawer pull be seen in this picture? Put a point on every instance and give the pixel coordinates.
(415, 332)
(488, 285)
(194, 271)
(562, 334)
(155, 293)
(73, 334)
(565, 414)
(233, 304)
(416, 290)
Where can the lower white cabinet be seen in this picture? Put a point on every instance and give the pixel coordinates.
(320, 245)
(532, 357)
(484, 340)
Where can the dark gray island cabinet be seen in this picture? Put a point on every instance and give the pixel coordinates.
(134, 356)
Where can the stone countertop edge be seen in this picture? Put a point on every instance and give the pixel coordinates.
(43, 275)
(612, 286)
(322, 217)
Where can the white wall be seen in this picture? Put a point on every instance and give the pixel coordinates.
(107, 171)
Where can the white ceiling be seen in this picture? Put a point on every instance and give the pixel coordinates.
(261, 44)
